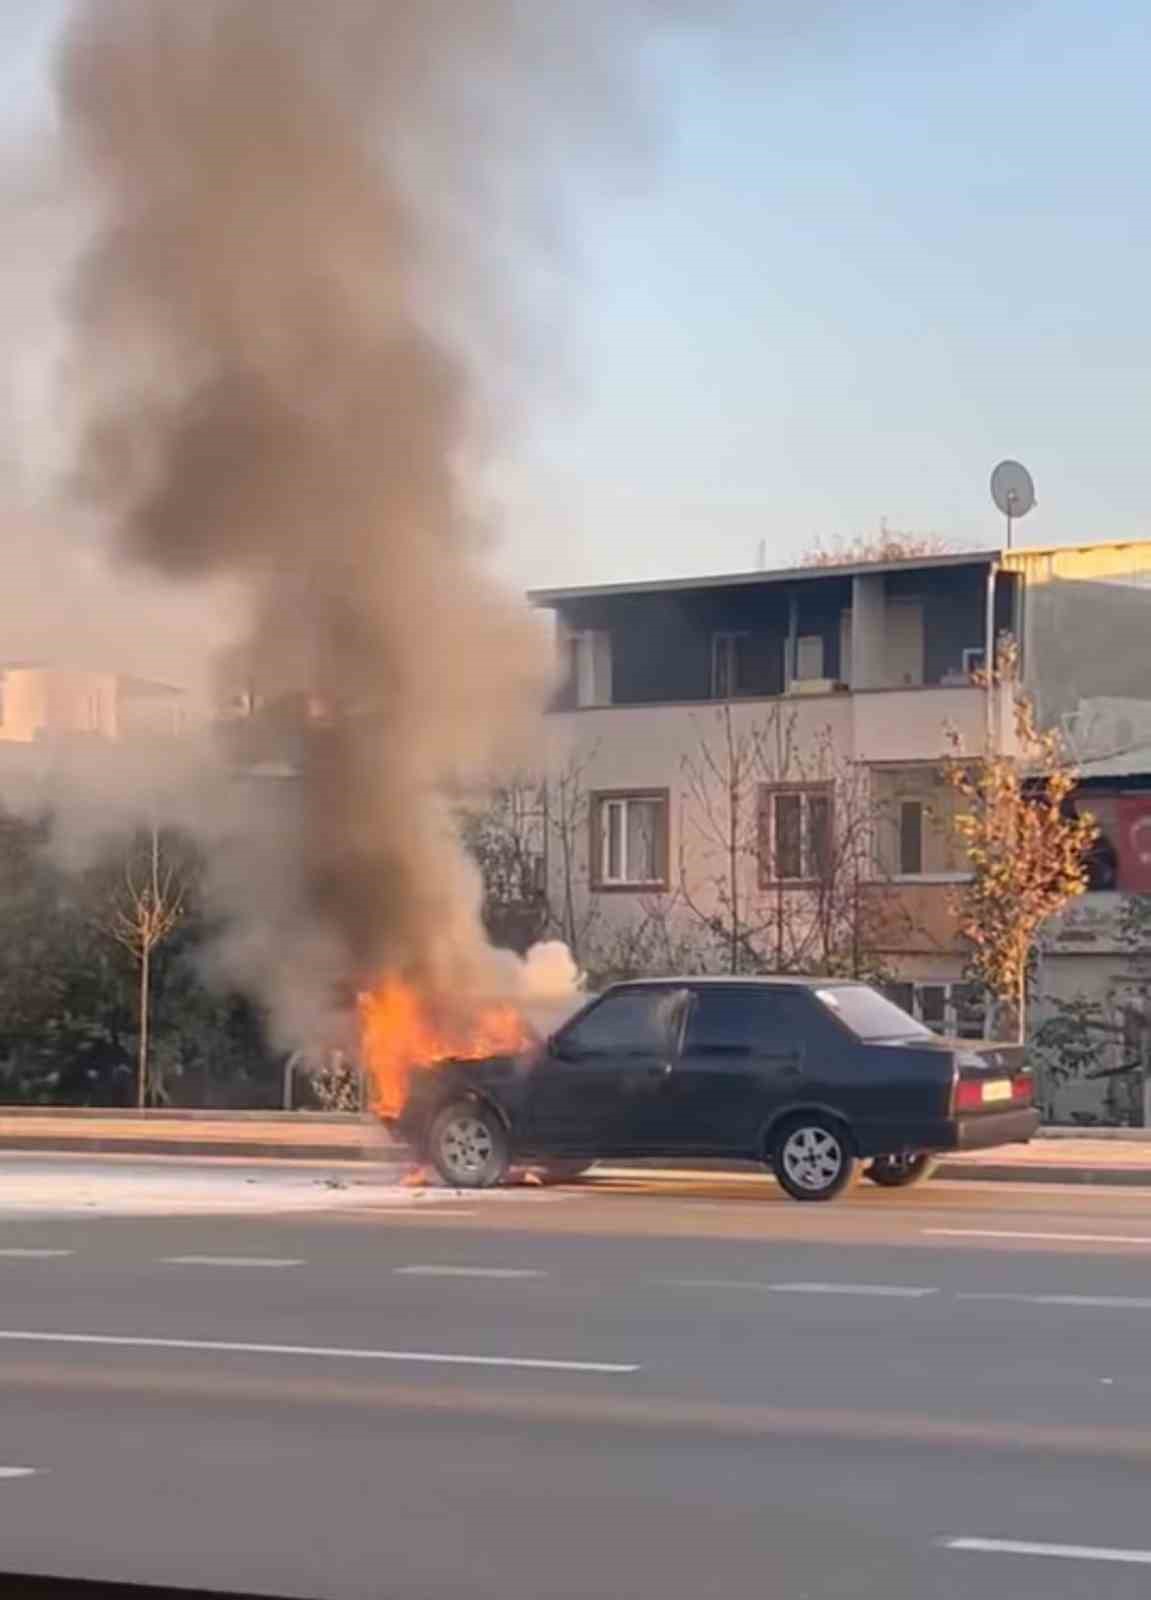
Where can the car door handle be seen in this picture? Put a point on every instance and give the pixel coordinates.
(660, 1069)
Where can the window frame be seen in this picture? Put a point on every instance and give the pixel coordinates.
(769, 793)
(727, 638)
(809, 639)
(599, 799)
(903, 803)
(679, 1001)
(713, 994)
(951, 993)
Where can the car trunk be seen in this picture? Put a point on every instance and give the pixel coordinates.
(990, 1077)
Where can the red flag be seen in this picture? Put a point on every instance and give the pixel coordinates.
(1135, 843)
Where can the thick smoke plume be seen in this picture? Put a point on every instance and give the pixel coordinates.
(290, 336)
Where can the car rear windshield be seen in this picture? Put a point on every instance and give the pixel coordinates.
(869, 1015)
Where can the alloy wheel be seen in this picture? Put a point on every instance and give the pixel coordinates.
(812, 1158)
(466, 1146)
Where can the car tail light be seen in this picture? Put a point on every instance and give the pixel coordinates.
(986, 1094)
(969, 1094)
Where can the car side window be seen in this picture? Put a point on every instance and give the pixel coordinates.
(743, 1021)
(635, 1022)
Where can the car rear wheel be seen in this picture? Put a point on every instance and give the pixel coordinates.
(813, 1159)
(468, 1146)
(902, 1171)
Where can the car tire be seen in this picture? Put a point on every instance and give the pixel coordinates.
(902, 1172)
(564, 1171)
(468, 1146)
(813, 1158)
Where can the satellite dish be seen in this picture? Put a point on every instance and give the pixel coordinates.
(1013, 492)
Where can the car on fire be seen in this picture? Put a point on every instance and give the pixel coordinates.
(819, 1079)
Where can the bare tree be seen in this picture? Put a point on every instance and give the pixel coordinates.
(506, 837)
(1027, 846)
(720, 840)
(777, 861)
(889, 544)
(573, 912)
(145, 909)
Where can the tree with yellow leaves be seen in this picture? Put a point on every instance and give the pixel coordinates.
(1025, 841)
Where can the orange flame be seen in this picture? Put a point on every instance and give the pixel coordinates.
(398, 1035)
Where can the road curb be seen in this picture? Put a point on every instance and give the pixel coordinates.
(371, 1148)
(256, 1150)
(1097, 1177)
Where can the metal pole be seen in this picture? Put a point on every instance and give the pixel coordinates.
(289, 1070)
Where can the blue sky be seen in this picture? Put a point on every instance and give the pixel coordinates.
(869, 261)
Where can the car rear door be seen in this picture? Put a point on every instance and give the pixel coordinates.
(598, 1088)
(744, 1058)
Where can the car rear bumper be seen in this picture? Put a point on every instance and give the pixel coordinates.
(987, 1129)
(982, 1130)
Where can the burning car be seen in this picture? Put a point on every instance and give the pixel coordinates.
(819, 1079)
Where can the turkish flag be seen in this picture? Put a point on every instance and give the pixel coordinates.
(1135, 843)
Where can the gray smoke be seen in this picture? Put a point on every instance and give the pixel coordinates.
(290, 337)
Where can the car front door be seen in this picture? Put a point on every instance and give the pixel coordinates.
(599, 1086)
(744, 1058)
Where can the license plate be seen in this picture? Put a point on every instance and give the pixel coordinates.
(996, 1091)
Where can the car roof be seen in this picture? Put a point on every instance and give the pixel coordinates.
(712, 980)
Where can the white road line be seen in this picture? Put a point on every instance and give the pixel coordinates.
(892, 1291)
(1063, 1238)
(889, 1291)
(330, 1352)
(35, 1255)
(20, 1472)
(467, 1272)
(1105, 1301)
(1065, 1552)
(230, 1261)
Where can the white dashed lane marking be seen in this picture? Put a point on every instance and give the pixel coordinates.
(316, 1352)
(1061, 1552)
(20, 1472)
(884, 1291)
(231, 1261)
(35, 1255)
(467, 1272)
(1105, 1302)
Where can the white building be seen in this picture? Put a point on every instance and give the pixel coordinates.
(835, 691)
(41, 700)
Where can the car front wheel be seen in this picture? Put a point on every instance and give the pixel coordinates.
(812, 1159)
(903, 1171)
(468, 1146)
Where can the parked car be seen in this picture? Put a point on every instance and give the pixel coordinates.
(817, 1078)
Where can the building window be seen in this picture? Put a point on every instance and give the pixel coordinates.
(974, 662)
(630, 840)
(589, 667)
(795, 834)
(728, 665)
(809, 657)
(910, 838)
(956, 1010)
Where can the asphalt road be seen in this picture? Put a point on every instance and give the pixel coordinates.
(243, 1379)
